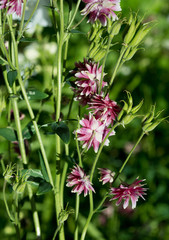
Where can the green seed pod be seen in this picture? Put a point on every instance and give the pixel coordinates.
(99, 55)
(21, 188)
(130, 19)
(120, 115)
(116, 29)
(131, 54)
(136, 108)
(139, 36)
(130, 33)
(94, 51)
(126, 53)
(127, 119)
(91, 46)
(98, 35)
(145, 126)
(130, 100)
(109, 25)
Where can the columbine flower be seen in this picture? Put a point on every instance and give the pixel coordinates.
(93, 132)
(78, 178)
(99, 9)
(128, 192)
(104, 108)
(106, 175)
(88, 74)
(14, 6)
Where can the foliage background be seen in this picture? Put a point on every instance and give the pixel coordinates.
(147, 77)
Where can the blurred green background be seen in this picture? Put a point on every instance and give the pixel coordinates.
(146, 76)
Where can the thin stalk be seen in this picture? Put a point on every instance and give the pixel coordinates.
(6, 204)
(128, 157)
(22, 19)
(30, 17)
(64, 176)
(74, 14)
(104, 61)
(70, 106)
(124, 48)
(23, 155)
(29, 106)
(91, 178)
(58, 198)
(76, 216)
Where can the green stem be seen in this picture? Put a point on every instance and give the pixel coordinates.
(76, 216)
(23, 155)
(22, 20)
(104, 61)
(117, 66)
(91, 178)
(29, 106)
(100, 204)
(26, 24)
(128, 157)
(58, 198)
(6, 204)
(74, 14)
(64, 176)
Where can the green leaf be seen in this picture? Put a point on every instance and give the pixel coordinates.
(34, 94)
(11, 76)
(9, 134)
(62, 130)
(36, 173)
(76, 31)
(28, 131)
(44, 187)
(44, 172)
(59, 128)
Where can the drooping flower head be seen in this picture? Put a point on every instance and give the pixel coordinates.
(128, 192)
(78, 178)
(104, 108)
(99, 9)
(88, 75)
(106, 175)
(92, 133)
(14, 6)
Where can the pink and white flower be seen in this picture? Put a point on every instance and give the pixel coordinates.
(78, 178)
(128, 192)
(92, 133)
(99, 9)
(104, 108)
(106, 175)
(14, 6)
(88, 75)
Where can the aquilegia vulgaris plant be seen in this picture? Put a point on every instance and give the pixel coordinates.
(60, 116)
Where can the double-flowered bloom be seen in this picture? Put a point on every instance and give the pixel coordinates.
(14, 6)
(92, 133)
(88, 75)
(106, 175)
(128, 192)
(104, 108)
(79, 180)
(100, 9)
